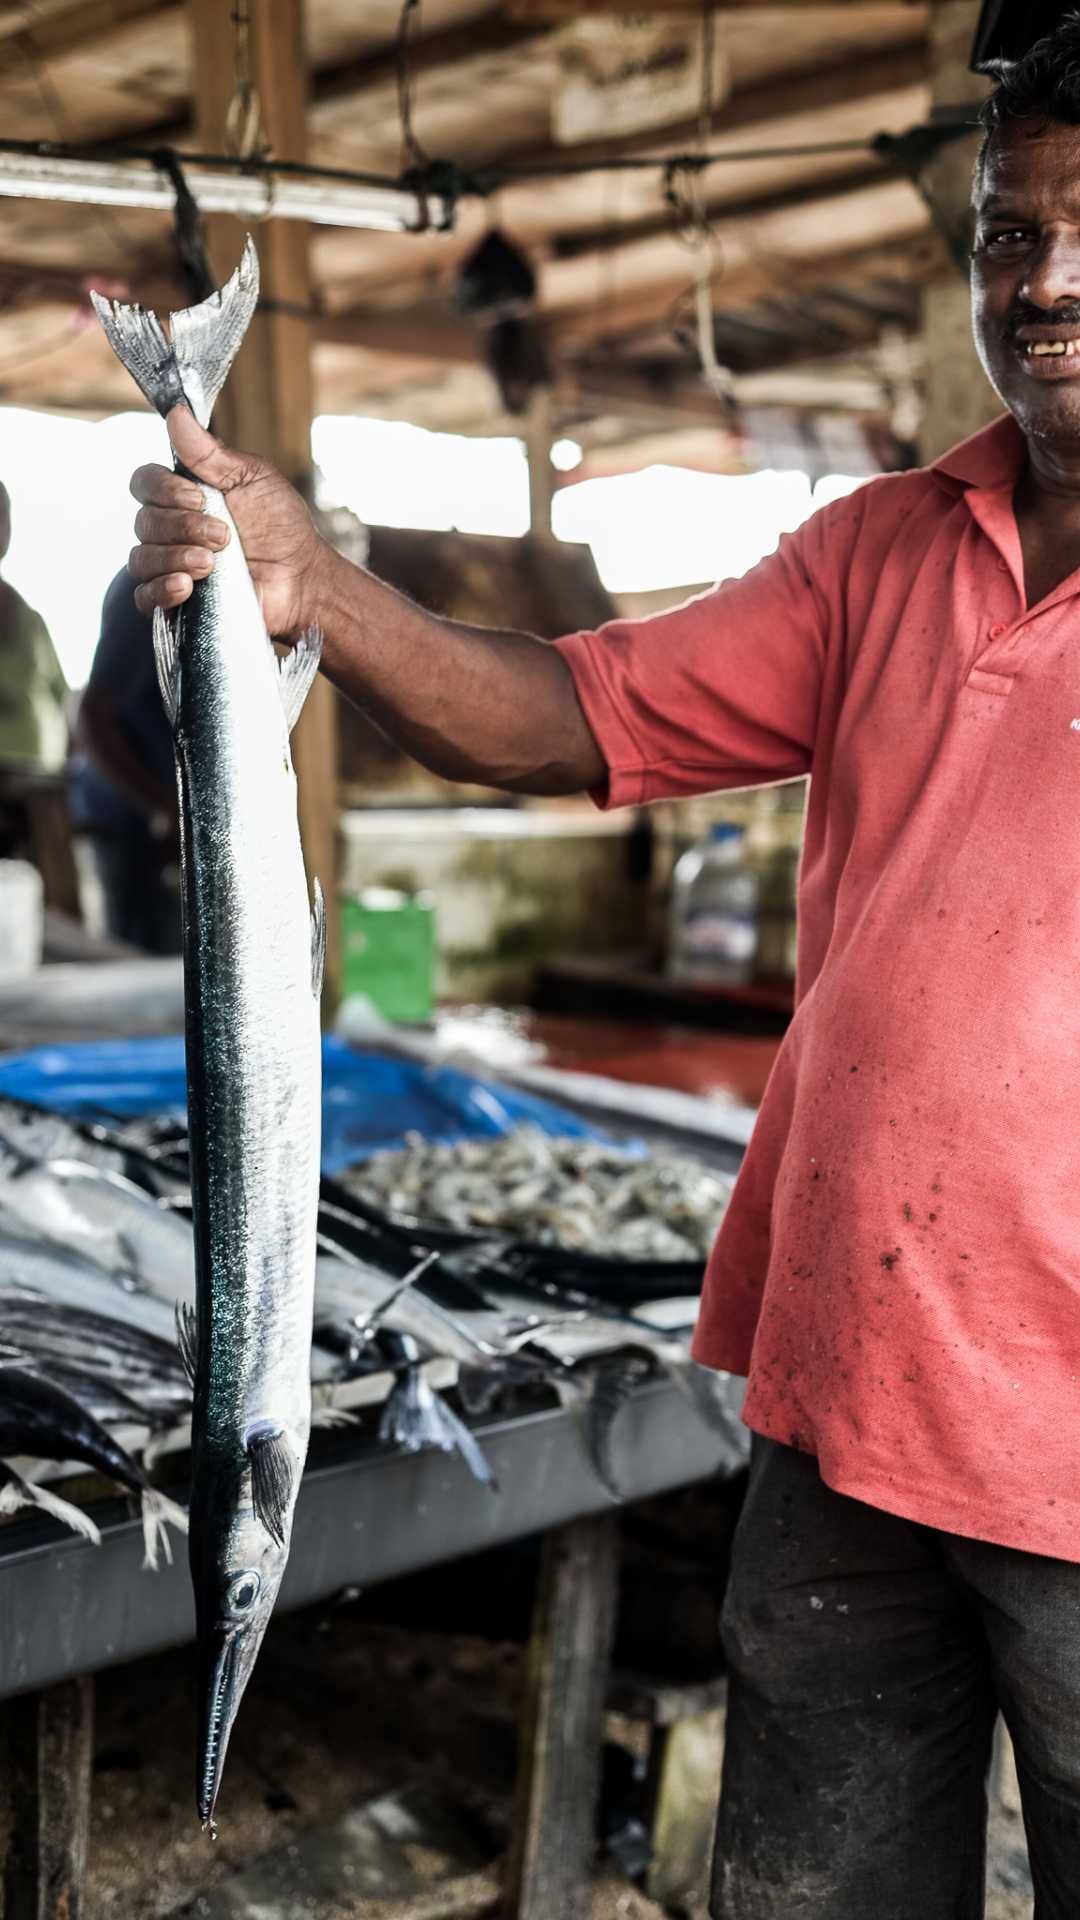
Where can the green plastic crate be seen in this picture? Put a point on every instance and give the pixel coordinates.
(388, 952)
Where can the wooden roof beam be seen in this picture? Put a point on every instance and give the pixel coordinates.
(88, 23)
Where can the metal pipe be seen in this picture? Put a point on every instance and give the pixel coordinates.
(256, 195)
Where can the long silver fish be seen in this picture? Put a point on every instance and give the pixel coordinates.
(253, 960)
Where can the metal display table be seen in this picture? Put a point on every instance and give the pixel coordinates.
(364, 1515)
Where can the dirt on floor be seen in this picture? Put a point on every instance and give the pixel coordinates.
(369, 1779)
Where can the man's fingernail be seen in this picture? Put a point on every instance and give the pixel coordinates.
(191, 497)
(177, 583)
(198, 560)
(217, 531)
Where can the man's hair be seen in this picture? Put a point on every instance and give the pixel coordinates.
(1044, 86)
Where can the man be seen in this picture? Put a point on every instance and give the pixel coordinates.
(123, 785)
(33, 727)
(899, 1270)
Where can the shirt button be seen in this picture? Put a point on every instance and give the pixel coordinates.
(997, 631)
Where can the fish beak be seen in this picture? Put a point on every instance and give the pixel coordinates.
(222, 1674)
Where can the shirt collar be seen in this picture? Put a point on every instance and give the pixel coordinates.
(990, 460)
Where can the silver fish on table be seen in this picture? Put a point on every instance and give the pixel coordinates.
(253, 960)
(40, 1418)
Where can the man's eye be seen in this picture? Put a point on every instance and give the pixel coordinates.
(1007, 237)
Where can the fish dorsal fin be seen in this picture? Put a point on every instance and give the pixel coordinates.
(167, 629)
(187, 1338)
(272, 1477)
(318, 941)
(296, 671)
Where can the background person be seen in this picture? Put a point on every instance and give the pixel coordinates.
(33, 691)
(123, 783)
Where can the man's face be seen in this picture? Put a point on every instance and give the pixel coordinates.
(1025, 284)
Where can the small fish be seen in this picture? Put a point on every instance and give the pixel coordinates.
(39, 1418)
(253, 964)
(586, 1196)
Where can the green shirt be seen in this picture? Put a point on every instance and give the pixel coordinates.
(33, 730)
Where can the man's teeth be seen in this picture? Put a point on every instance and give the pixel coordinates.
(1040, 348)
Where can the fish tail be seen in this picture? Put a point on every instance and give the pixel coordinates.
(159, 1513)
(189, 369)
(717, 1400)
(415, 1417)
(17, 1493)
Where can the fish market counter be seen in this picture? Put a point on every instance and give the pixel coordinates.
(437, 1274)
(363, 1515)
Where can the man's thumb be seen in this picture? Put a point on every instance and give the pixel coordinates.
(200, 453)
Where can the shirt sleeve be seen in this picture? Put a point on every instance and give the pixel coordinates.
(723, 691)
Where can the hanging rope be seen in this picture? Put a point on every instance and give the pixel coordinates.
(420, 174)
(245, 134)
(684, 189)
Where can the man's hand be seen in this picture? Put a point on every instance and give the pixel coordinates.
(178, 539)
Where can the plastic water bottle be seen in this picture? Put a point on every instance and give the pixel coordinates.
(714, 911)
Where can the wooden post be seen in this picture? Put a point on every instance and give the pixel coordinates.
(538, 438)
(553, 1838)
(268, 401)
(47, 1759)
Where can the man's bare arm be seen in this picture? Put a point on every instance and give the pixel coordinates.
(471, 703)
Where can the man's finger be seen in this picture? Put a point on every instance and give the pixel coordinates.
(170, 591)
(201, 454)
(170, 527)
(151, 563)
(161, 487)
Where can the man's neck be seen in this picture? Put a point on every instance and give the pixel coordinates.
(1049, 487)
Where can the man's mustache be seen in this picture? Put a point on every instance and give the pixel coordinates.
(1062, 316)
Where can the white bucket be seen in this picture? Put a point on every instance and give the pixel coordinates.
(22, 919)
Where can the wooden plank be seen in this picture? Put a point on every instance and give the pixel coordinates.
(562, 10)
(552, 1842)
(268, 403)
(48, 1756)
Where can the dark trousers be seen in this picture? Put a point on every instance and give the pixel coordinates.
(869, 1658)
(141, 907)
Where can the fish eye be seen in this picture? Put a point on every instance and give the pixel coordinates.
(243, 1591)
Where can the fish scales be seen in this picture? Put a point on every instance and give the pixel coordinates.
(252, 974)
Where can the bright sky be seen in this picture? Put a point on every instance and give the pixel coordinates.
(665, 527)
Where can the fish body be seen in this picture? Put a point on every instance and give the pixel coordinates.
(252, 973)
(40, 1418)
(69, 1279)
(106, 1217)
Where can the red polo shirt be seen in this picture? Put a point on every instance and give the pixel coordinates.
(899, 1269)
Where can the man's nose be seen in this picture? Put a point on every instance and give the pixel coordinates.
(1054, 272)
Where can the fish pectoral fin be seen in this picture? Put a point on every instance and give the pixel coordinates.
(272, 1479)
(296, 671)
(318, 941)
(187, 1338)
(167, 629)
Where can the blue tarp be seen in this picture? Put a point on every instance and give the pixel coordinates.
(369, 1100)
